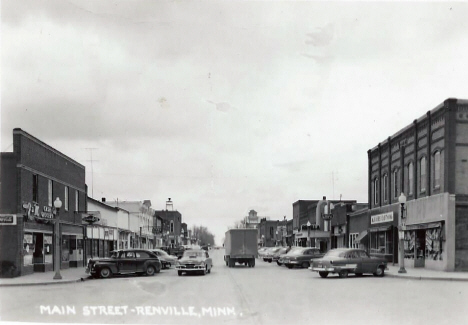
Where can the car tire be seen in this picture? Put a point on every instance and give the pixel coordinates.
(158, 269)
(305, 265)
(269, 261)
(179, 273)
(323, 274)
(105, 273)
(380, 272)
(343, 274)
(289, 266)
(279, 264)
(150, 270)
(252, 262)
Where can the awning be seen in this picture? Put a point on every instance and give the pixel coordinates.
(424, 226)
(361, 236)
(380, 229)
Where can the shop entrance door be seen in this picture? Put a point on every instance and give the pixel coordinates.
(420, 244)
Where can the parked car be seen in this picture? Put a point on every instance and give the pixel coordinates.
(275, 256)
(194, 261)
(166, 260)
(268, 257)
(301, 257)
(281, 256)
(262, 251)
(349, 260)
(127, 261)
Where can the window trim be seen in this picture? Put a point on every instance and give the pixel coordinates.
(50, 194)
(437, 168)
(410, 178)
(422, 176)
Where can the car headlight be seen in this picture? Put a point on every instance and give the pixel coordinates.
(202, 263)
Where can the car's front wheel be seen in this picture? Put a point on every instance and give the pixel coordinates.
(323, 274)
(279, 264)
(343, 274)
(150, 270)
(305, 265)
(289, 266)
(380, 272)
(105, 273)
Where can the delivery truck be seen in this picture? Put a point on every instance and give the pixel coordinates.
(240, 247)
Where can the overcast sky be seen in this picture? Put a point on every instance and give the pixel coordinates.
(226, 106)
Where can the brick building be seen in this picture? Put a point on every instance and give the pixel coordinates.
(32, 177)
(428, 162)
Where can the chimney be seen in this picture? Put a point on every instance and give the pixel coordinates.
(103, 199)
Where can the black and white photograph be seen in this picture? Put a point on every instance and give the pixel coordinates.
(233, 162)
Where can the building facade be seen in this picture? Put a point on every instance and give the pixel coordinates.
(427, 161)
(33, 176)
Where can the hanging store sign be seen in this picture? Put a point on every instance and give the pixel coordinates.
(91, 217)
(381, 218)
(7, 219)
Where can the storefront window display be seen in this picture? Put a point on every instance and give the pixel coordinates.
(65, 248)
(381, 242)
(48, 257)
(28, 248)
(424, 243)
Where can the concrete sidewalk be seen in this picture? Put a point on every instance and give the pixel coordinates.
(45, 278)
(425, 274)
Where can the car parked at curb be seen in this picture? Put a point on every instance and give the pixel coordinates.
(126, 261)
(283, 250)
(301, 257)
(349, 260)
(281, 257)
(166, 260)
(268, 256)
(194, 261)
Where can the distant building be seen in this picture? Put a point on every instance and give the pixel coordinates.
(252, 220)
(172, 225)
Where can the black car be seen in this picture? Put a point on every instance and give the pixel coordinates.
(127, 261)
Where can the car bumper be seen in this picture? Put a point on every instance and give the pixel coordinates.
(322, 269)
(188, 269)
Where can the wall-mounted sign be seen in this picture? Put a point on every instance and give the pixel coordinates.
(380, 218)
(90, 219)
(31, 210)
(7, 219)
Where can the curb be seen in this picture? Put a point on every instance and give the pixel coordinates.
(41, 283)
(414, 277)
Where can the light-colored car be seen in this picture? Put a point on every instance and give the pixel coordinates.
(349, 260)
(262, 251)
(283, 255)
(166, 260)
(194, 261)
(268, 256)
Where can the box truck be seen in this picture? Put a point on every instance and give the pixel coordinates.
(240, 247)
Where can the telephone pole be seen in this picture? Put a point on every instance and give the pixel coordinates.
(92, 171)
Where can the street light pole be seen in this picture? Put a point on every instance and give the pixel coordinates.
(57, 205)
(308, 233)
(401, 233)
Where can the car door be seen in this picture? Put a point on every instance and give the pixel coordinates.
(140, 261)
(353, 261)
(127, 262)
(306, 255)
(368, 265)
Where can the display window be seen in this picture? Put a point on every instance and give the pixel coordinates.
(28, 248)
(48, 257)
(65, 248)
(381, 242)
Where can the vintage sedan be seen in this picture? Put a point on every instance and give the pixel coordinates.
(127, 261)
(166, 260)
(282, 251)
(301, 257)
(194, 261)
(282, 256)
(349, 260)
(268, 256)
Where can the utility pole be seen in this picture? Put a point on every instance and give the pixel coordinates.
(92, 172)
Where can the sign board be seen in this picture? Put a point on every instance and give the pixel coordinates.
(7, 219)
(381, 218)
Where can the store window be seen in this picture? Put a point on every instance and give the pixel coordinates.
(376, 190)
(172, 226)
(422, 174)
(384, 187)
(395, 183)
(410, 178)
(76, 201)
(28, 248)
(352, 240)
(436, 169)
(381, 242)
(66, 199)
(49, 193)
(65, 248)
(48, 257)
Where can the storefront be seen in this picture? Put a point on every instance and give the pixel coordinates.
(317, 238)
(383, 236)
(424, 242)
(100, 241)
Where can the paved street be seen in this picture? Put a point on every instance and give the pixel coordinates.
(266, 294)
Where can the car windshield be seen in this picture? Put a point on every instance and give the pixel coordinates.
(296, 252)
(162, 252)
(193, 254)
(334, 253)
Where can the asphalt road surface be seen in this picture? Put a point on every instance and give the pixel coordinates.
(266, 294)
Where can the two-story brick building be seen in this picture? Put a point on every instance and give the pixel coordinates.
(32, 177)
(428, 162)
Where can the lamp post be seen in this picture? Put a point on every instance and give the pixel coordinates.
(276, 239)
(57, 205)
(308, 233)
(401, 233)
(263, 240)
